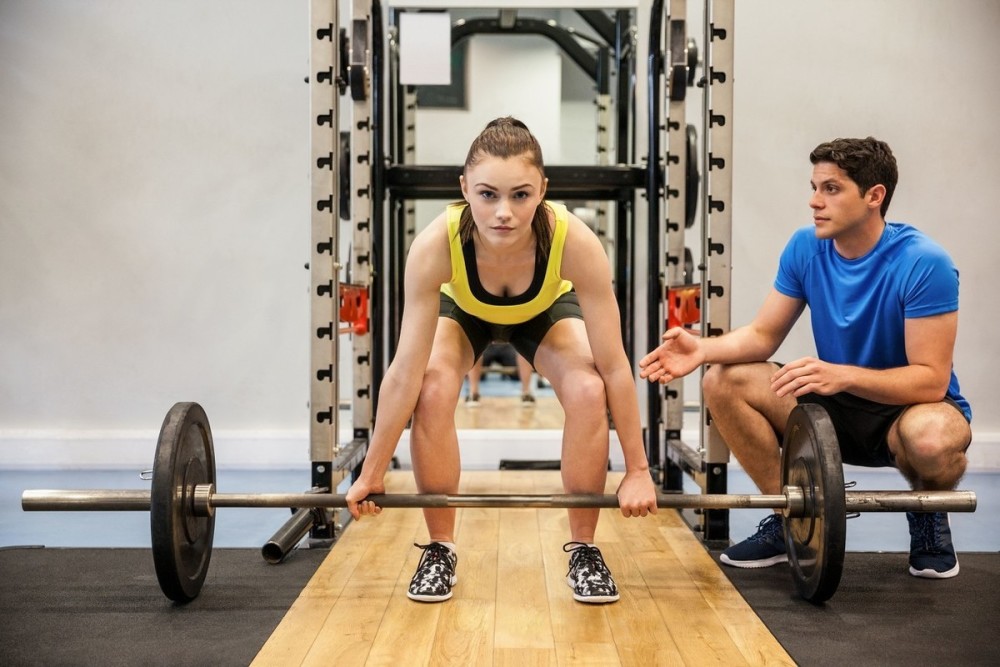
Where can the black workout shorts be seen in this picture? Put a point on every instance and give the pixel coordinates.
(862, 426)
(525, 337)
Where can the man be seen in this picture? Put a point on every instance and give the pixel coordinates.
(883, 299)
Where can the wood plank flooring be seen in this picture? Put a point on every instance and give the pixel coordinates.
(506, 412)
(511, 605)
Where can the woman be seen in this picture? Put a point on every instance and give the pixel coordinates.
(508, 266)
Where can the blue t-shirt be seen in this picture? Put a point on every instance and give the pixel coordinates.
(858, 306)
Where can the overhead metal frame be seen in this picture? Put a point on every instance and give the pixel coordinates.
(376, 173)
(564, 38)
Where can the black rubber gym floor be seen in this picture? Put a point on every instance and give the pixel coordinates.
(84, 607)
(881, 615)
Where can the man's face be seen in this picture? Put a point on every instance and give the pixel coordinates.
(837, 202)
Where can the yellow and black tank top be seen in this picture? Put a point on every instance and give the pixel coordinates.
(468, 292)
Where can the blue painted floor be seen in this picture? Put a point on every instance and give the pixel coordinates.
(248, 527)
(251, 528)
(236, 527)
(888, 531)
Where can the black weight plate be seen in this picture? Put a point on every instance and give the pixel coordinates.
(815, 541)
(688, 266)
(692, 56)
(678, 83)
(182, 541)
(344, 175)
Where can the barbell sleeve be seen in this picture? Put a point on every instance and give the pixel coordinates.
(85, 500)
(910, 501)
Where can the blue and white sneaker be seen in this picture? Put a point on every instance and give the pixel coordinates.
(764, 548)
(435, 574)
(932, 555)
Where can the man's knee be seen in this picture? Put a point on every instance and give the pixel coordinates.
(711, 380)
(729, 380)
(934, 439)
(934, 432)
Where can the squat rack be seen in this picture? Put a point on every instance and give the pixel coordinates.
(365, 177)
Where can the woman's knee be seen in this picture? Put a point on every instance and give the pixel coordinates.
(584, 394)
(439, 390)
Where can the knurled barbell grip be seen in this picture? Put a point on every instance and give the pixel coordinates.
(582, 500)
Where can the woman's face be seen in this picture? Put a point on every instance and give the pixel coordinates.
(503, 195)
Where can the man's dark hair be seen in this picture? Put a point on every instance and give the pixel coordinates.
(867, 162)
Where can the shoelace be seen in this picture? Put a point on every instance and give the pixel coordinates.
(435, 553)
(770, 526)
(588, 555)
(928, 532)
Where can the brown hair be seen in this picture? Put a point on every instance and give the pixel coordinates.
(867, 162)
(504, 138)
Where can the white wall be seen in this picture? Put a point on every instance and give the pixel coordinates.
(154, 191)
(495, 66)
(154, 209)
(920, 75)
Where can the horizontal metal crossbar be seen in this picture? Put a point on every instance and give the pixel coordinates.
(591, 182)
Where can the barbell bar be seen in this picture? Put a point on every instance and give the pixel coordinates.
(206, 500)
(182, 501)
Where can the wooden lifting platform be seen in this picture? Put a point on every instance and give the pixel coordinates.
(511, 605)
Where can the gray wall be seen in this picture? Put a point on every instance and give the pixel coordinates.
(154, 190)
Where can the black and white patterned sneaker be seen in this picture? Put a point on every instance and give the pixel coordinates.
(588, 576)
(435, 574)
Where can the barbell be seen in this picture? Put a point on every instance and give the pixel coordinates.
(182, 501)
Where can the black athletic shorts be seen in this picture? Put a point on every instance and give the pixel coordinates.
(500, 353)
(525, 337)
(862, 426)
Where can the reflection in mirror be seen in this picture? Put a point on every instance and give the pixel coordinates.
(557, 70)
